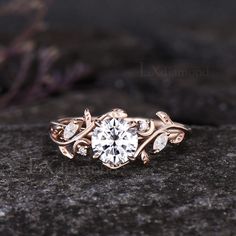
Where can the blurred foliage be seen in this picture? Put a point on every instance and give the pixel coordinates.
(28, 69)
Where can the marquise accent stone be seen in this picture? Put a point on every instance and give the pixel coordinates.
(70, 130)
(160, 142)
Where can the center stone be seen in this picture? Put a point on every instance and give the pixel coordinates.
(114, 141)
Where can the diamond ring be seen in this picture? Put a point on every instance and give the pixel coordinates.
(114, 137)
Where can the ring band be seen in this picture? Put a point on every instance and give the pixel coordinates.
(115, 138)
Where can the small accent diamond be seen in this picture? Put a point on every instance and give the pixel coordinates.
(143, 125)
(82, 151)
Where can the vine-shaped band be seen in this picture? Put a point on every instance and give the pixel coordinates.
(115, 138)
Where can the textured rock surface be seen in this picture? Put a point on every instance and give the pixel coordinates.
(186, 190)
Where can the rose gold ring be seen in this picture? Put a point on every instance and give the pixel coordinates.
(115, 138)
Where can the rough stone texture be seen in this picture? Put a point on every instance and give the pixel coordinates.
(186, 190)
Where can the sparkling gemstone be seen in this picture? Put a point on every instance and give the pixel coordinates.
(160, 142)
(143, 125)
(70, 130)
(114, 141)
(82, 151)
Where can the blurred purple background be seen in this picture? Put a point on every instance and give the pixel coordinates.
(173, 55)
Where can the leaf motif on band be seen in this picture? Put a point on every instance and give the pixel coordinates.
(176, 136)
(144, 157)
(164, 117)
(88, 117)
(70, 130)
(160, 142)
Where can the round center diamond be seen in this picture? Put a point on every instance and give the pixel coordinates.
(114, 141)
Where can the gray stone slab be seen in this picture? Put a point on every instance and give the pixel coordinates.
(186, 190)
